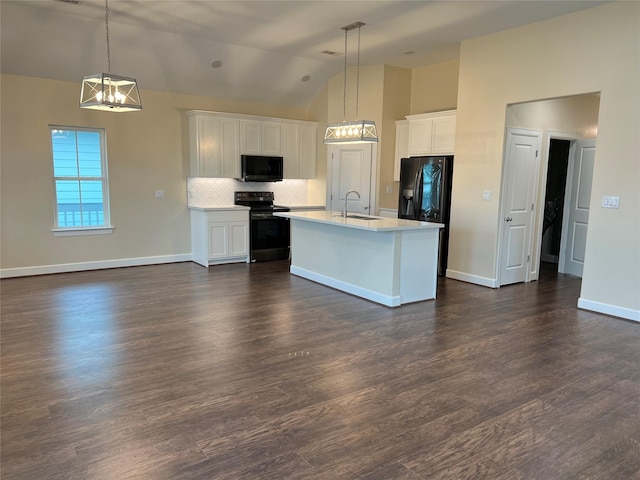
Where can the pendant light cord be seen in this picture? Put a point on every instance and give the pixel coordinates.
(358, 75)
(106, 23)
(344, 95)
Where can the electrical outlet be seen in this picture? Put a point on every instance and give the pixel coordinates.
(159, 193)
(389, 188)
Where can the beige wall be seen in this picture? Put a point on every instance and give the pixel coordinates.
(434, 87)
(594, 50)
(576, 115)
(319, 112)
(147, 151)
(397, 97)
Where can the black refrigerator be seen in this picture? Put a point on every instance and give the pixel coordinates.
(425, 195)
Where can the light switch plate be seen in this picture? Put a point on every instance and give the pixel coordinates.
(486, 195)
(610, 202)
(159, 193)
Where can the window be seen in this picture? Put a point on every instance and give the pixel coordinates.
(80, 177)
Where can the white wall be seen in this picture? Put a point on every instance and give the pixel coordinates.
(594, 50)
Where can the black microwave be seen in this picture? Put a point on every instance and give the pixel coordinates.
(260, 168)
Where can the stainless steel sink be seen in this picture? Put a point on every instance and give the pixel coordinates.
(358, 217)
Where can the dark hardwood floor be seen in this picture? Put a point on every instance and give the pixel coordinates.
(243, 371)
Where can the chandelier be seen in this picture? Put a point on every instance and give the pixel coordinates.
(106, 91)
(358, 131)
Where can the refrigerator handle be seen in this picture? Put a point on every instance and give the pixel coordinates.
(417, 193)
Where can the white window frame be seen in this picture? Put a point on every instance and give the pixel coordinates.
(107, 228)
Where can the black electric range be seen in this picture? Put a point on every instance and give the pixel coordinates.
(269, 237)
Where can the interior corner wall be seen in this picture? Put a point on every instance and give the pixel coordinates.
(147, 151)
(319, 112)
(397, 97)
(593, 50)
(369, 100)
(435, 87)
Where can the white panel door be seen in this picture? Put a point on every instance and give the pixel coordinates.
(238, 239)
(581, 174)
(521, 165)
(351, 170)
(218, 240)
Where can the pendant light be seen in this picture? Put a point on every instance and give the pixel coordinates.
(106, 91)
(358, 131)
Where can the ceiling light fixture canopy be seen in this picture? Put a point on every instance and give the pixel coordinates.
(358, 131)
(106, 91)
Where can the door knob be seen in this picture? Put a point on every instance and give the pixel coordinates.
(365, 207)
(508, 219)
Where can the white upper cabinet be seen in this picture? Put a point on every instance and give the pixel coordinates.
(271, 138)
(218, 139)
(307, 150)
(432, 133)
(299, 150)
(402, 146)
(250, 137)
(214, 146)
(260, 138)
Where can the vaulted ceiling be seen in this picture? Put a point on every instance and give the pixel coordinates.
(265, 48)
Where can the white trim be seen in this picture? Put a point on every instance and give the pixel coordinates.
(77, 232)
(389, 301)
(622, 312)
(97, 265)
(469, 278)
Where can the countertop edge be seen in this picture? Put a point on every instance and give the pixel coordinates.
(385, 224)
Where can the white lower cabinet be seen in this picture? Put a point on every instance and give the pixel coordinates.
(220, 236)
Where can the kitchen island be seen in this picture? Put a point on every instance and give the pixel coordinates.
(386, 260)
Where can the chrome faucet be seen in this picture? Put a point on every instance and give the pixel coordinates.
(346, 197)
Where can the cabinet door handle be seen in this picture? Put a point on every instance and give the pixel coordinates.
(508, 219)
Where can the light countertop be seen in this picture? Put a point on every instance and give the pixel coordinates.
(375, 224)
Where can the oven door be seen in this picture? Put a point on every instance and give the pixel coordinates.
(269, 237)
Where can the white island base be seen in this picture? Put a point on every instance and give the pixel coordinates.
(388, 261)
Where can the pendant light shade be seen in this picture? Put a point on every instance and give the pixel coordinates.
(105, 91)
(109, 92)
(358, 131)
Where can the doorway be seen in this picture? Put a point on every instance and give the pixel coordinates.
(557, 165)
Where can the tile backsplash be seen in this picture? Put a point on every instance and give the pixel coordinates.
(219, 191)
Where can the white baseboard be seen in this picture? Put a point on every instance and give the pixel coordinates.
(622, 312)
(389, 301)
(467, 277)
(97, 265)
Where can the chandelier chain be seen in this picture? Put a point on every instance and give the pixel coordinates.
(106, 23)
